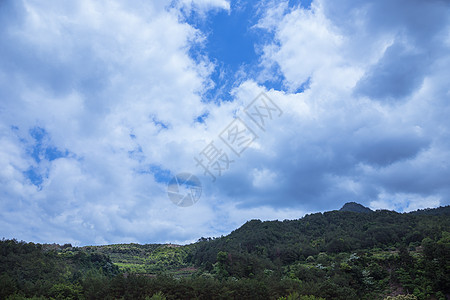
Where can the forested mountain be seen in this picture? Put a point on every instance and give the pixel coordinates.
(330, 232)
(352, 253)
(355, 207)
(440, 211)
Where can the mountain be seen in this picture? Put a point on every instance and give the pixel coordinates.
(330, 232)
(355, 207)
(439, 211)
(345, 254)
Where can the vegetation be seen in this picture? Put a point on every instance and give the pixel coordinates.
(355, 207)
(334, 255)
(147, 259)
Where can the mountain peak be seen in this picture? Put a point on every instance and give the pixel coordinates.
(355, 207)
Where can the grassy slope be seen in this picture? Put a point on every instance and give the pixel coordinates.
(149, 258)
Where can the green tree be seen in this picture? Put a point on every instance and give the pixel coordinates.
(401, 297)
(157, 296)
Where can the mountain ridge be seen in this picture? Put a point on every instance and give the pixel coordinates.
(330, 255)
(355, 207)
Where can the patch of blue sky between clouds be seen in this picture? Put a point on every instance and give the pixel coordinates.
(304, 86)
(230, 45)
(233, 43)
(35, 176)
(160, 174)
(201, 119)
(160, 124)
(41, 148)
(305, 4)
(137, 153)
(41, 151)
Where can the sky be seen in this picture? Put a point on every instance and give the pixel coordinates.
(277, 108)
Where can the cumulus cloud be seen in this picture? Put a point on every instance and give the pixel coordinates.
(404, 202)
(395, 76)
(338, 142)
(99, 79)
(101, 103)
(202, 6)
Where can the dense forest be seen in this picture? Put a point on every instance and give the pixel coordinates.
(354, 253)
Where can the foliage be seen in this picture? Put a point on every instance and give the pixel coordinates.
(297, 296)
(145, 259)
(401, 297)
(334, 255)
(157, 296)
(27, 270)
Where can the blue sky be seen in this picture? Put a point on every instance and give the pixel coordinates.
(102, 103)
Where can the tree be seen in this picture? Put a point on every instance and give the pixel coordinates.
(157, 296)
(401, 297)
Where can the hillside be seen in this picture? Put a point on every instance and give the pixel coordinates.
(355, 207)
(333, 255)
(148, 259)
(331, 232)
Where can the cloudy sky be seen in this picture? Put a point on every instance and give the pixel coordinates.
(102, 103)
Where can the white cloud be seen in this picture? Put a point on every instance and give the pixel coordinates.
(307, 43)
(117, 94)
(201, 7)
(100, 72)
(404, 202)
(207, 4)
(335, 144)
(263, 178)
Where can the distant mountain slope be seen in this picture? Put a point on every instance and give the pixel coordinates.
(330, 232)
(439, 211)
(355, 207)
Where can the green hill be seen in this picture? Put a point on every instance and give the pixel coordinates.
(355, 207)
(330, 232)
(345, 254)
(149, 258)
